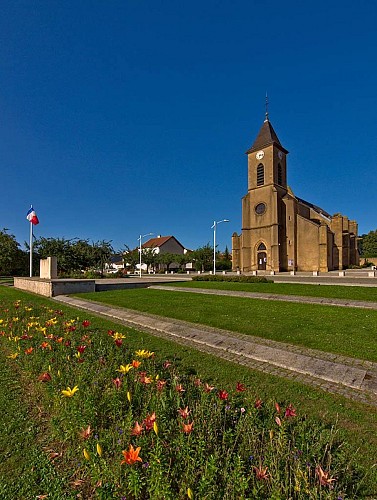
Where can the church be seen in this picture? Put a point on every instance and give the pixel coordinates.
(280, 231)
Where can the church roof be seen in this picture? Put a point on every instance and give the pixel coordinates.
(266, 137)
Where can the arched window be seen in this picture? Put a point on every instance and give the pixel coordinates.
(261, 247)
(280, 175)
(260, 174)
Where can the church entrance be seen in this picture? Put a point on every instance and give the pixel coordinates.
(262, 261)
(262, 257)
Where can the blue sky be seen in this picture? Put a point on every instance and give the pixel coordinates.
(121, 118)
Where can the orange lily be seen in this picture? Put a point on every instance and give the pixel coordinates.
(137, 430)
(187, 428)
(324, 478)
(131, 456)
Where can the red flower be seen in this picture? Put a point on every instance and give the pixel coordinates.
(277, 407)
(179, 388)
(81, 348)
(85, 323)
(110, 332)
(197, 382)
(240, 387)
(118, 342)
(184, 412)
(44, 377)
(290, 411)
(149, 421)
(223, 395)
(161, 384)
(67, 343)
(258, 404)
(136, 363)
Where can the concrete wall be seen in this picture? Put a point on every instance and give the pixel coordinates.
(51, 288)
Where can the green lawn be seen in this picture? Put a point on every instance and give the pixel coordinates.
(326, 291)
(346, 331)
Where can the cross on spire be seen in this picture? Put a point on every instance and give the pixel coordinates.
(266, 119)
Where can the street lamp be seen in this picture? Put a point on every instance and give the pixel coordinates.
(214, 241)
(140, 238)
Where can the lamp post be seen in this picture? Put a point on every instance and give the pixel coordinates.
(214, 241)
(140, 238)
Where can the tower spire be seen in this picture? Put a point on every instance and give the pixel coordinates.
(266, 119)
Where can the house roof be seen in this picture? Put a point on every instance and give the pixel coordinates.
(159, 241)
(266, 137)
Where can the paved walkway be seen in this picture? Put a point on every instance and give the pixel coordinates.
(352, 378)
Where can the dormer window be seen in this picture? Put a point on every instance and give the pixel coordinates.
(260, 174)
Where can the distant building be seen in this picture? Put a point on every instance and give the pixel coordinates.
(165, 244)
(281, 232)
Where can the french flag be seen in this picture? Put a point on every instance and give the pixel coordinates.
(32, 216)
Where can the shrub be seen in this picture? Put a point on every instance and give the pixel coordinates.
(234, 278)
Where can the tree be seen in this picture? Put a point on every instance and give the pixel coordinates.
(203, 258)
(130, 257)
(149, 257)
(369, 244)
(167, 259)
(13, 260)
(102, 251)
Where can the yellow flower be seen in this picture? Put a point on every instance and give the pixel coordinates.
(155, 427)
(190, 493)
(13, 356)
(70, 392)
(129, 396)
(118, 336)
(125, 369)
(144, 354)
(99, 449)
(86, 454)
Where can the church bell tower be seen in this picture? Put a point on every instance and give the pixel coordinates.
(262, 244)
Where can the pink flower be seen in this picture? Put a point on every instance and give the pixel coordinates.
(290, 411)
(278, 421)
(208, 388)
(166, 364)
(277, 407)
(179, 388)
(117, 382)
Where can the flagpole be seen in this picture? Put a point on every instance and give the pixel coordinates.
(31, 249)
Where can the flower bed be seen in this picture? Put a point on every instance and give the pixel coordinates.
(134, 427)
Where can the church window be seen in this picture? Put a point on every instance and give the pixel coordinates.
(280, 175)
(261, 246)
(260, 208)
(260, 174)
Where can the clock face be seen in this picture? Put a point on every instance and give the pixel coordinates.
(260, 208)
(280, 155)
(259, 155)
